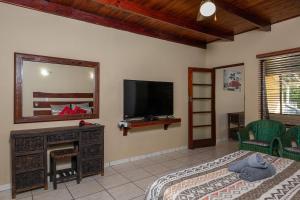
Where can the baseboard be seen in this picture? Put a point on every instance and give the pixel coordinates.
(220, 140)
(5, 187)
(117, 162)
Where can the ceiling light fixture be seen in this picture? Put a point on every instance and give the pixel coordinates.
(207, 8)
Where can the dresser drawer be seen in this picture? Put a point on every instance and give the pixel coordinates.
(92, 167)
(29, 162)
(62, 137)
(90, 151)
(92, 136)
(27, 144)
(30, 180)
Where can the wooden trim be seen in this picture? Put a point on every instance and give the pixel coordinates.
(142, 123)
(257, 21)
(54, 60)
(197, 69)
(228, 66)
(200, 84)
(198, 98)
(190, 107)
(261, 68)
(69, 12)
(41, 112)
(135, 8)
(278, 53)
(201, 112)
(62, 95)
(201, 126)
(205, 142)
(18, 80)
(213, 108)
(47, 104)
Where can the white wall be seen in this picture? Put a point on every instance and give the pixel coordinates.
(122, 55)
(284, 35)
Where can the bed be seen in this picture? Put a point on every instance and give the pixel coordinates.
(42, 101)
(212, 181)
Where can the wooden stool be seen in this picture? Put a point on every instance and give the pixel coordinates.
(73, 173)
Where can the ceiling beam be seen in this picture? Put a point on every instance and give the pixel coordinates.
(257, 21)
(61, 10)
(135, 8)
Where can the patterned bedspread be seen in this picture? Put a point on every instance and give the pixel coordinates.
(213, 181)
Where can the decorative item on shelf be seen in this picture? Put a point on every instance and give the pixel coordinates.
(123, 124)
(84, 123)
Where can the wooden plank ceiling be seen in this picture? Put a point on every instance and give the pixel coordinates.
(173, 20)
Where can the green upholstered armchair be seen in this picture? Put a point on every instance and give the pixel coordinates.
(290, 144)
(266, 136)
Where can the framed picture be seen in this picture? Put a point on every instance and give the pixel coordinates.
(232, 80)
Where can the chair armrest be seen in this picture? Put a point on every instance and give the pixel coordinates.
(243, 134)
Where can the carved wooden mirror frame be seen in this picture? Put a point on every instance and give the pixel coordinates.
(18, 110)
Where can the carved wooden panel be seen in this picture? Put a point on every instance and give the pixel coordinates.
(29, 162)
(29, 144)
(92, 136)
(30, 179)
(91, 151)
(92, 166)
(67, 136)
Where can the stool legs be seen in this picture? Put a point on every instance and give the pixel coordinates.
(51, 169)
(54, 175)
(78, 170)
(75, 166)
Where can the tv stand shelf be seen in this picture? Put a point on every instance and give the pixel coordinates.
(142, 123)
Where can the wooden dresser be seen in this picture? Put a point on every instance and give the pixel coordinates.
(29, 153)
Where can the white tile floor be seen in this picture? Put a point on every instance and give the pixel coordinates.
(127, 181)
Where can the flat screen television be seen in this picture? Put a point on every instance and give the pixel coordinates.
(147, 98)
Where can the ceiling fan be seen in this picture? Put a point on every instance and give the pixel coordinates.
(207, 9)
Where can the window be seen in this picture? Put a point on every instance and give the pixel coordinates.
(280, 88)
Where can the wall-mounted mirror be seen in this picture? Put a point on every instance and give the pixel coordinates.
(55, 89)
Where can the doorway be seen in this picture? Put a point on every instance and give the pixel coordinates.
(230, 101)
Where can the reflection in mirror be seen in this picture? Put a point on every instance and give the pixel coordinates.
(54, 89)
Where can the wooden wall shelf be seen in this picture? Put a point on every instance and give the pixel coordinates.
(142, 123)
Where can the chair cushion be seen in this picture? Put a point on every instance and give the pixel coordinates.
(258, 143)
(292, 149)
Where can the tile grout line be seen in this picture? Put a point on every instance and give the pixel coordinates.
(69, 191)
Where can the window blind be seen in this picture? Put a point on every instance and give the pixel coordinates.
(279, 94)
